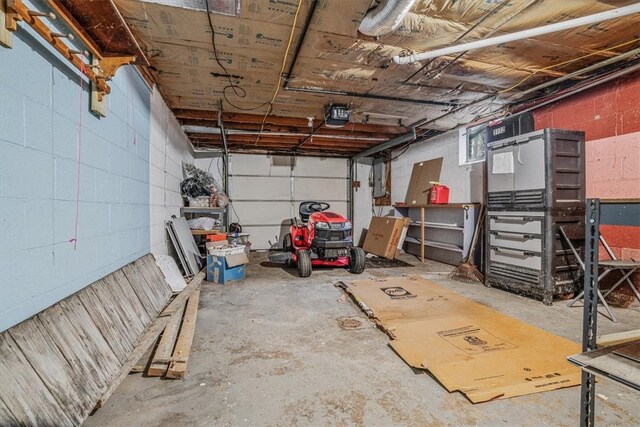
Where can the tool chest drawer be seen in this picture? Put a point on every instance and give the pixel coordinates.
(519, 222)
(516, 240)
(518, 257)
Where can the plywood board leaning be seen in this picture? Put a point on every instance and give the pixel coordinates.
(141, 288)
(422, 174)
(50, 365)
(467, 346)
(23, 392)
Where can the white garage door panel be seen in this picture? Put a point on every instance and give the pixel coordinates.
(320, 189)
(262, 188)
(314, 166)
(262, 238)
(337, 207)
(263, 213)
(254, 164)
(262, 192)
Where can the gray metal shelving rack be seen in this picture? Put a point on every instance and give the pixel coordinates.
(218, 213)
(535, 184)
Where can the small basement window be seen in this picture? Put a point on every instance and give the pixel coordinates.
(471, 145)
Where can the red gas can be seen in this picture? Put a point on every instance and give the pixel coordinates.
(439, 194)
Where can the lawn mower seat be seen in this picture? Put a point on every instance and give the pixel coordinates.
(305, 209)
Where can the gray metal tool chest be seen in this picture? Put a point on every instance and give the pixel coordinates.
(535, 184)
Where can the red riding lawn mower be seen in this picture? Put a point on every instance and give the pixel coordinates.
(322, 238)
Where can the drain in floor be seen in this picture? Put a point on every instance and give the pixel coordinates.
(347, 323)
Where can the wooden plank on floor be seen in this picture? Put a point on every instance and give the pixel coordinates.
(23, 392)
(150, 336)
(183, 296)
(51, 366)
(185, 338)
(149, 299)
(165, 346)
(617, 338)
(147, 340)
(103, 319)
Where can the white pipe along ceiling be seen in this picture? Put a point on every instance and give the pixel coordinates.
(532, 32)
(385, 18)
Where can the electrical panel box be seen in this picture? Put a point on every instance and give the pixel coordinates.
(379, 177)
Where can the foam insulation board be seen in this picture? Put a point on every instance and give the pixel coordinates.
(335, 57)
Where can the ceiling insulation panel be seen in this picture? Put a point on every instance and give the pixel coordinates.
(345, 66)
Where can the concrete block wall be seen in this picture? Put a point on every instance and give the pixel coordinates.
(40, 120)
(169, 147)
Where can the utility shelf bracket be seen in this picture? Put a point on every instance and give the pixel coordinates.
(99, 71)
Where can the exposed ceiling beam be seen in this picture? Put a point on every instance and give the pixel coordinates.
(231, 118)
(269, 128)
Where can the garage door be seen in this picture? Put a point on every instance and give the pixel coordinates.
(266, 192)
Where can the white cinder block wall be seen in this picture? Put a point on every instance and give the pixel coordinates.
(465, 182)
(169, 147)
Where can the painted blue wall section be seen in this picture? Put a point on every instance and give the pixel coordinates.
(39, 122)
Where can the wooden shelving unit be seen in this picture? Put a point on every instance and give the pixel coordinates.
(440, 232)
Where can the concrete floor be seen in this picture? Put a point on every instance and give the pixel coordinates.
(271, 351)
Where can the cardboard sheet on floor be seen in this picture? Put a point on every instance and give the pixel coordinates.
(467, 346)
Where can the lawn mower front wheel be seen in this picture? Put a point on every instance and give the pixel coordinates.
(356, 260)
(303, 263)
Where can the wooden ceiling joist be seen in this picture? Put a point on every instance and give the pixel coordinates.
(208, 118)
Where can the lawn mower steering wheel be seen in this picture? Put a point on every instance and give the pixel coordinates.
(319, 207)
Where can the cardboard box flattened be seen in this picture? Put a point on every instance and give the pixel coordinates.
(467, 346)
(385, 236)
